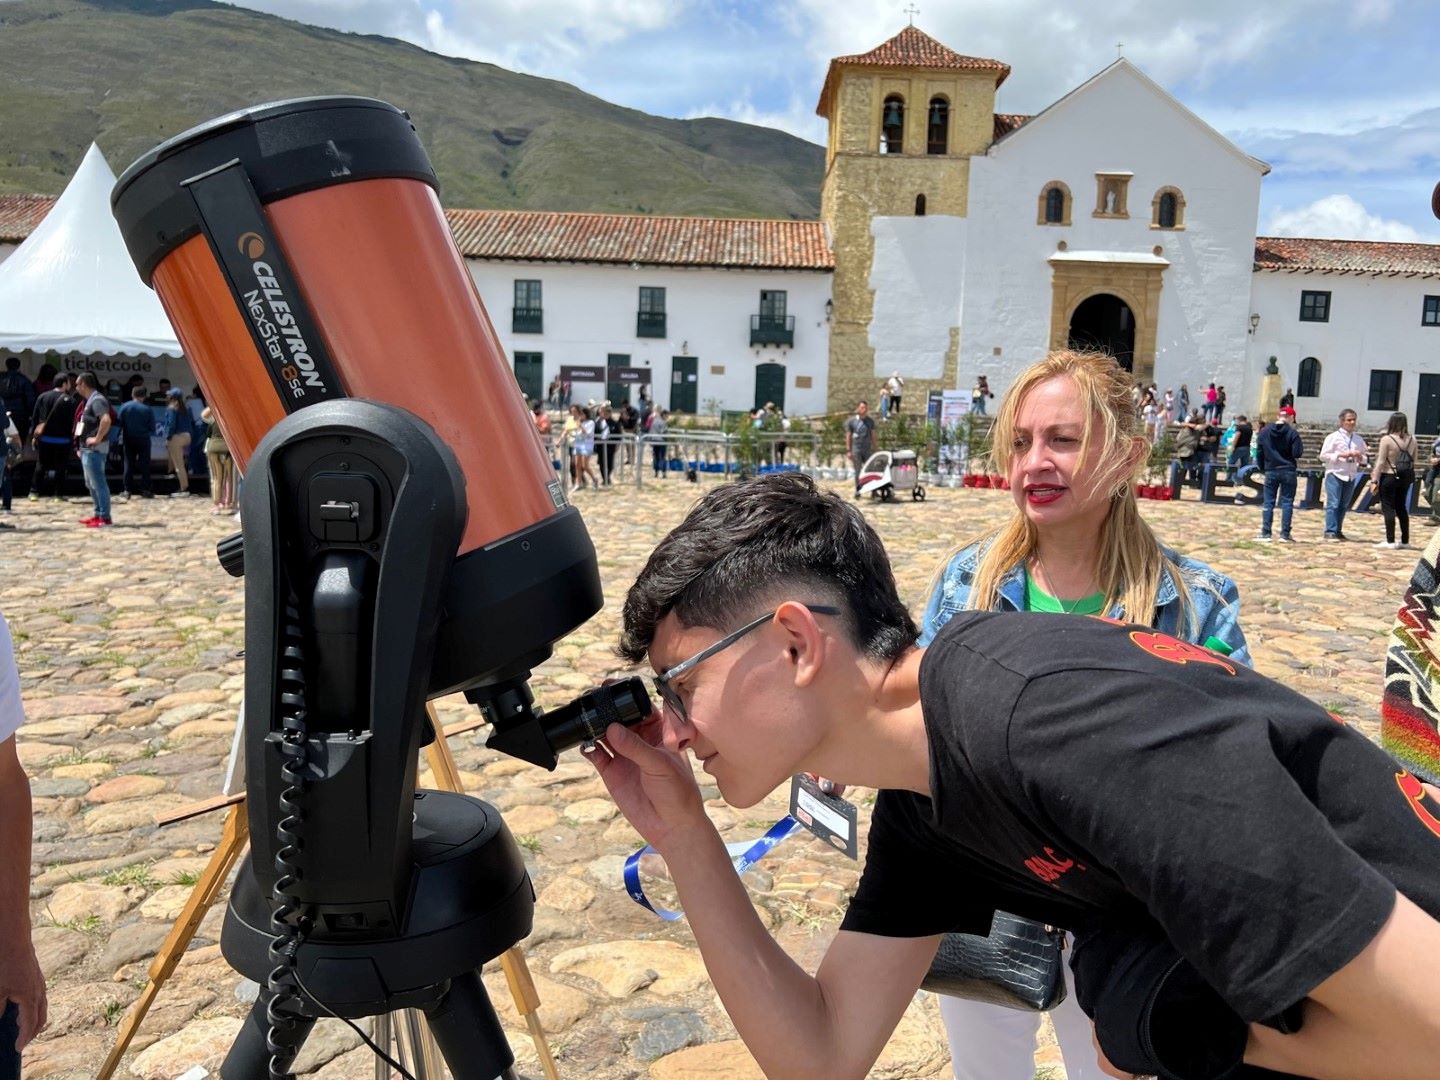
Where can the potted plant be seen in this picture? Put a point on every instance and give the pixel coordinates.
(1157, 467)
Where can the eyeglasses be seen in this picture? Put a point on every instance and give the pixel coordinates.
(662, 681)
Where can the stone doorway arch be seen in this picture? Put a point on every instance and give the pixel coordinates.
(1133, 280)
(1105, 323)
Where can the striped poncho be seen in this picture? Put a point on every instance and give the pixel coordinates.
(1410, 709)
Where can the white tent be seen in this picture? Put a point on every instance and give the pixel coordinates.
(71, 286)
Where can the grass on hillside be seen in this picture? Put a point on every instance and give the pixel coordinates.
(131, 73)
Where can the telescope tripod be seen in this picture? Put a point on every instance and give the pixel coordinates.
(362, 896)
(403, 1035)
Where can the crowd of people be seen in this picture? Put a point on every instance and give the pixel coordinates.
(1245, 896)
(596, 433)
(65, 417)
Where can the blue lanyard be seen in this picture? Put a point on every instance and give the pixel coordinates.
(743, 855)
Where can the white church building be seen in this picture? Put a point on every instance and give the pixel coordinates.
(955, 242)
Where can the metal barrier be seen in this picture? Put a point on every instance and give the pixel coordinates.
(631, 459)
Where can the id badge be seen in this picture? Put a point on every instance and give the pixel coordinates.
(829, 817)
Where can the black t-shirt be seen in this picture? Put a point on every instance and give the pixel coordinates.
(1243, 432)
(1209, 438)
(1106, 777)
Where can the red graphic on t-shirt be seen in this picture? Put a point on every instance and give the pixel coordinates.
(1175, 651)
(1414, 792)
(1051, 868)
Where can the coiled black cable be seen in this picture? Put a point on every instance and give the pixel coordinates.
(289, 923)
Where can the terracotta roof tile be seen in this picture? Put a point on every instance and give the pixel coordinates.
(532, 235)
(1008, 122)
(541, 236)
(911, 48)
(19, 214)
(1346, 256)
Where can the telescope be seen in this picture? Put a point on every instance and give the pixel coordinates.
(404, 536)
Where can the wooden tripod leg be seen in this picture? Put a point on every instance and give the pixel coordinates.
(202, 898)
(527, 1002)
(517, 973)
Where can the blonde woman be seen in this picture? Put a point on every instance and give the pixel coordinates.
(1071, 443)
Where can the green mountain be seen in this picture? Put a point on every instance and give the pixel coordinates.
(130, 73)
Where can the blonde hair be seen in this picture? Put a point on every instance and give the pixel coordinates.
(1131, 561)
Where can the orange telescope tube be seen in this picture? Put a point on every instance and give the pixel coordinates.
(301, 254)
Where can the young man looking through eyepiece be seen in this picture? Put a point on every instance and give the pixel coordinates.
(1286, 859)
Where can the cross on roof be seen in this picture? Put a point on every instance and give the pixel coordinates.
(912, 11)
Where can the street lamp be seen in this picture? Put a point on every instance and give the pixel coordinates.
(1254, 322)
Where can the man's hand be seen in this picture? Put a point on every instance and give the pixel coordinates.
(90, 441)
(654, 787)
(22, 982)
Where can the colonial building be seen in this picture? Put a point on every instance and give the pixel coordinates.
(955, 241)
(969, 242)
(1352, 325)
(709, 313)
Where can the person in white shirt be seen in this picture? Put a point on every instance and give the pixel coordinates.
(896, 386)
(1345, 456)
(22, 986)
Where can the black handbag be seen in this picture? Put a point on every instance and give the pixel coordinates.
(1018, 965)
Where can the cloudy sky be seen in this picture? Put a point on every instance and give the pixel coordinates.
(1332, 93)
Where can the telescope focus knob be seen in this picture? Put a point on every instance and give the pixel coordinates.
(231, 553)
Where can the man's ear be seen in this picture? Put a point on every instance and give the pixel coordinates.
(804, 640)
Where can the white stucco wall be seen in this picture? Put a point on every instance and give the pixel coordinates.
(1117, 122)
(1374, 325)
(918, 274)
(589, 312)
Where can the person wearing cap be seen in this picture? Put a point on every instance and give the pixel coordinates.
(179, 430)
(1278, 449)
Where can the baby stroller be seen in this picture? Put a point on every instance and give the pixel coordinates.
(886, 472)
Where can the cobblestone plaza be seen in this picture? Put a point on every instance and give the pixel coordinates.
(127, 643)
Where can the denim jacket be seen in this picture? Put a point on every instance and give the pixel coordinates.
(1214, 597)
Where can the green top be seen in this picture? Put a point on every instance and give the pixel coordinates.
(1037, 599)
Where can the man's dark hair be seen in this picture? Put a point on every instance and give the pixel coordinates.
(12, 363)
(763, 541)
(87, 379)
(66, 378)
(138, 392)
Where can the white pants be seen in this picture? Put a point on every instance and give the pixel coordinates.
(991, 1042)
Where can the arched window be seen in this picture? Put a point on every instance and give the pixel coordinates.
(1054, 204)
(937, 137)
(892, 125)
(1167, 209)
(1309, 382)
(919, 205)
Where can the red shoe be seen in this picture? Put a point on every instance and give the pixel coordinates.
(100, 523)
(90, 521)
